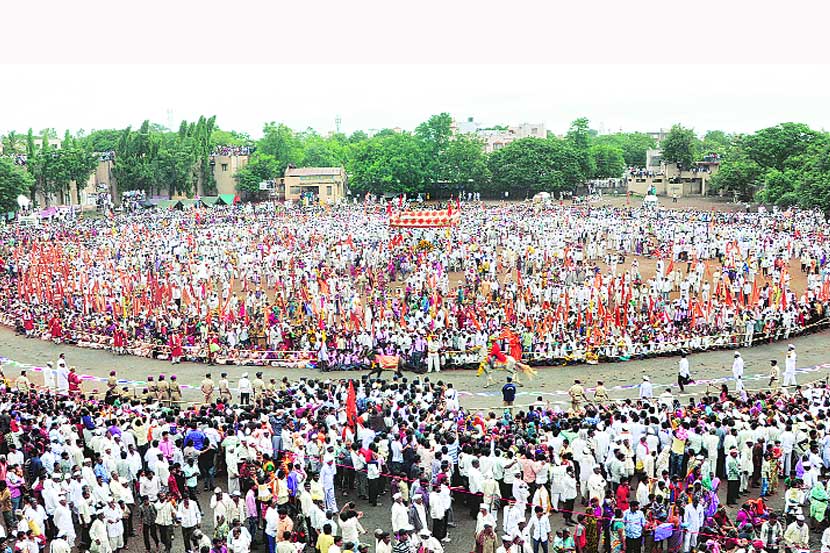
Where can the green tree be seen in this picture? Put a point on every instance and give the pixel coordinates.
(773, 146)
(717, 142)
(738, 175)
(813, 168)
(579, 138)
(680, 147)
(608, 161)
(533, 165)
(14, 181)
(13, 143)
(221, 137)
(50, 168)
(103, 140)
(779, 187)
(323, 152)
(634, 146)
(80, 164)
(261, 167)
(135, 163)
(435, 134)
(357, 137)
(465, 165)
(389, 162)
(279, 141)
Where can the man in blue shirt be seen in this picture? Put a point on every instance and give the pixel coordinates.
(508, 392)
(634, 522)
(196, 436)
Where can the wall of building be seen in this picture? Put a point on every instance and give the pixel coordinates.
(224, 170)
(328, 189)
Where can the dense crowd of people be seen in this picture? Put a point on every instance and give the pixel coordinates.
(262, 284)
(266, 466)
(232, 150)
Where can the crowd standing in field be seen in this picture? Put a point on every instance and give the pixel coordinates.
(260, 284)
(268, 467)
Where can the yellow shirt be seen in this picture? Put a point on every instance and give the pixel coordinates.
(324, 541)
(678, 446)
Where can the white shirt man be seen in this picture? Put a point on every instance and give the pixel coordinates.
(646, 389)
(683, 369)
(539, 527)
(738, 372)
(63, 520)
(789, 367)
(693, 518)
(400, 514)
(188, 514)
(221, 504)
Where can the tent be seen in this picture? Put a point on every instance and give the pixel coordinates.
(170, 204)
(209, 201)
(229, 199)
(189, 203)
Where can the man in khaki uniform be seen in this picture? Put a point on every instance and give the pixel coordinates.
(577, 393)
(600, 393)
(259, 388)
(207, 388)
(224, 389)
(174, 390)
(22, 383)
(163, 389)
(112, 383)
(152, 389)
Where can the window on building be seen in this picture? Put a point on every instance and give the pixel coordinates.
(295, 190)
(224, 166)
(328, 191)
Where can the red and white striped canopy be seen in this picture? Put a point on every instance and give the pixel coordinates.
(424, 219)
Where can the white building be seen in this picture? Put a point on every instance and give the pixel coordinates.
(496, 139)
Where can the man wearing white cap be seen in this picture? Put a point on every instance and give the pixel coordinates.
(506, 544)
(62, 519)
(738, 372)
(429, 542)
(484, 517)
(221, 504)
(400, 515)
(327, 473)
(60, 544)
(418, 513)
(797, 535)
(789, 367)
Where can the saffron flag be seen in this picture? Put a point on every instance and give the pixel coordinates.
(351, 405)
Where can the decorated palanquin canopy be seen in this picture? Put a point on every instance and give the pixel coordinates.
(425, 218)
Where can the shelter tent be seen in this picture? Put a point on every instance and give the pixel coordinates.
(229, 199)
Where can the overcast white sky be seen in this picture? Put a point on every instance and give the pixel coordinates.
(730, 97)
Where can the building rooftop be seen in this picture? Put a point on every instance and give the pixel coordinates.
(310, 171)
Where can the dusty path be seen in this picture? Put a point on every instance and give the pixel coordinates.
(550, 382)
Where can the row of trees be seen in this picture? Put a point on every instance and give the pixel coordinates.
(150, 158)
(49, 170)
(433, 159)
(786, 165)
(159, 162)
